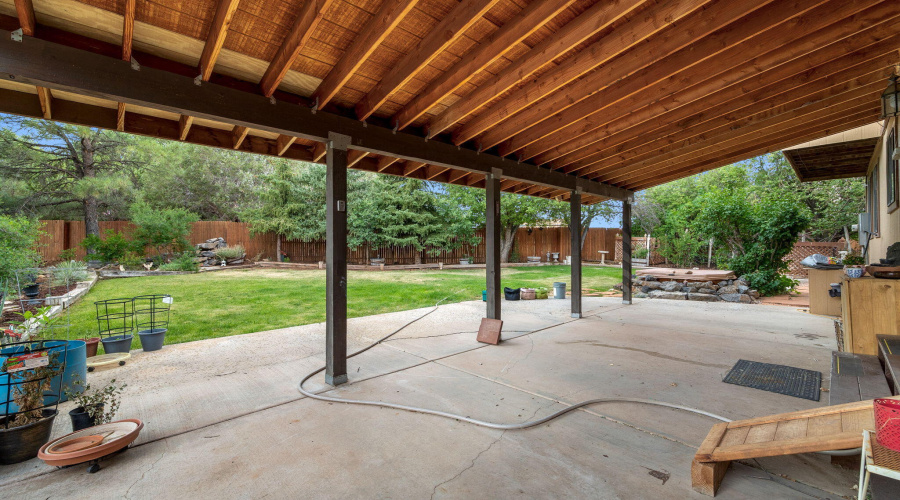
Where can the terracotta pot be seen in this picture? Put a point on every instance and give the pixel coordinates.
(91, 346)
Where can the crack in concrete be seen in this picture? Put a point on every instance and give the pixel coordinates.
(645, 351)
(509, 367)
(143, 473)
(460, 473)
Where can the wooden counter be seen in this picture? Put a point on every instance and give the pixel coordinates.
(820, 281)
(870, 307)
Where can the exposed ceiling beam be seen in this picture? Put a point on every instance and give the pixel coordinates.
(25, 12)
(456, 175)
(379, 27)
(769, 144)
(284, 142)
(120, 116)
(642, 27)
(46, 100)
(432, 172)
(128, 29)
(311, 15)
(184, 126)
(448, 30)
(238, 134)
(319, 152)
(681, 48)
(386, 161)
(412, 166)
(838, 84)
(589, 23)
(39, 62)
(828, 60)
(216, 36)
(737, 62)
(354, 156)
(511, 34)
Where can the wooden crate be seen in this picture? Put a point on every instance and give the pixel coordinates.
(870, 307)
(820, 281)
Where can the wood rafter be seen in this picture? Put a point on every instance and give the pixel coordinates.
(642, 27)
(380, 26)
(45, 97)
(319, 151)
(284, 142)
(120, 116)
(683, 47)
(354, 156)
(238, 134)
(25, 12)
(535, 15)
(309, 19)
(737, 63)
(647, 123)
(448, 30)
(432, 172)
(128, 29)
(184, 126)
(386, 161)
(592, 21)
(411, 167)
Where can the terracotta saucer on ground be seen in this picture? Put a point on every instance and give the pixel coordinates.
(121, 434)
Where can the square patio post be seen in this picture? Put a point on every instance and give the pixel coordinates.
(492, 243)
(626, 251)
(575, 233)
(336, 259)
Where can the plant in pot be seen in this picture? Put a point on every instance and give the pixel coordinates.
(95, 406)
(26, 420)
(465, 260)
(853, 266)
(30, 287)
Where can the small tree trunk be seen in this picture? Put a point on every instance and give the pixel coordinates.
(506, 242)
(278, 248)
(419, 257)
(91, 204)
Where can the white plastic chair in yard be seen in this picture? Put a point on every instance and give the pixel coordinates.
(876, 459)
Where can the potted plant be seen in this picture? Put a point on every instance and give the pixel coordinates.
(95, 406)
(31, 288)
(853, 266)
(26, 422)
(465, 260)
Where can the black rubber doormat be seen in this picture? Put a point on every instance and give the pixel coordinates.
(779, 379)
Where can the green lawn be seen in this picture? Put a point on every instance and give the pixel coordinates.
(223, 303)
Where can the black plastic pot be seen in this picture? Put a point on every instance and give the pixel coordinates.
(81, 419)
(31, 291)
(512, 293)
(152, 340)
(119, 343)
(19, 444)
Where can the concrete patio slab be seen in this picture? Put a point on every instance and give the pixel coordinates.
(224, 418)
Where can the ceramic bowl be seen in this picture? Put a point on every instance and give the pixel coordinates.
(854, 272)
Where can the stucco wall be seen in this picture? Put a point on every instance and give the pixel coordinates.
(890, 222)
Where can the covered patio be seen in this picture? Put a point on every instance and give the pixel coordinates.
(214, 427)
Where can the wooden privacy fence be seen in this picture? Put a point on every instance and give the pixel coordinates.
(62, 235)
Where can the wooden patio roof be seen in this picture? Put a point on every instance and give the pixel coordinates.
(607, 97)
(833, 161)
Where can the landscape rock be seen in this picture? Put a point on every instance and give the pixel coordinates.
(652, 285)
(728, 290)
(743, 289)
(706, 291)
(650, 278)
(703, 297)
(640, 295)
(753, 293)
(660, 294)
(671, 286)
(736, 297)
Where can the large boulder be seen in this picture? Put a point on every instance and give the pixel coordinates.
(703, 297)
(660, 294)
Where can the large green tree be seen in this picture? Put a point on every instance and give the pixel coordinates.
(65, 165)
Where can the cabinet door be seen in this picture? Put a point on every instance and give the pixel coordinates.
(874, 304)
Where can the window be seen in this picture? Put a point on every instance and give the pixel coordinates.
(873, 207)
(890, 197)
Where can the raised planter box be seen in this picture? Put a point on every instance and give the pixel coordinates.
(107, 274)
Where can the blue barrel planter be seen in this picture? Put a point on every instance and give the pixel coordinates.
(75, 369)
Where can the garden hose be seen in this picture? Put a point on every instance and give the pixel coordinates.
(500, 426)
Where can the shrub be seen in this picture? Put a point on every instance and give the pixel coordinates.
(67, 255)
(770, 282)
(132, 260)
(640, 253)
(165, 230)
(18, 239)
(69, 273)
(230, 252)
(184, 262)
(110, 248)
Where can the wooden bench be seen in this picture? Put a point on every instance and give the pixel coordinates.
(856, 377)
(821, 429)
(889, 355)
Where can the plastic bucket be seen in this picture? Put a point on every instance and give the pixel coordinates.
(119, 343)
(76, 366)
(484, 295)
(887, 423)
(559, 290)
(152, 340)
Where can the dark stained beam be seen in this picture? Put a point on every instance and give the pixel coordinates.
(492, 245)
(592, 21)
(38, 62)
(448, 30)
(517, 29)
(626, 252)
(309, 19)
(575, 230)
(336, 260)
(630, 34)
(216, 37)
(379, 27)
(697, 38)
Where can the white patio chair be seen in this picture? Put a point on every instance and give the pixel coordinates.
(876, 459)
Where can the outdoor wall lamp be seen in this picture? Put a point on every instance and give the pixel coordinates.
(890, 99)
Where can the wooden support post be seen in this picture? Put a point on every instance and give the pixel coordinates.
(492, 243)
(575, 232)
(626, 251)
(336, 259)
